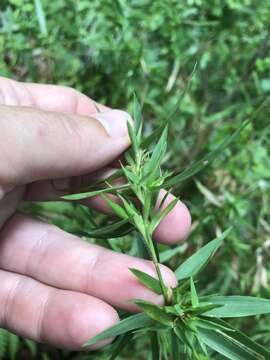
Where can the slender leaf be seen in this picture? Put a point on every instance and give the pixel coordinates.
(193, 292)
(201, 309)
(117, 209)
(242, 338)
(155, 312)
(174, 346)
(169, 253)
(237, 306)
(88, 194)
(197, 261)
(155, 346)
(120, 344)
(133, 322)
(154, 163)
(133, 138)
(206, 323)
(143, 249)
(41, 17)
(147, 280)
(161, 214)
(137, 115)
(115, 229)
(228, 346)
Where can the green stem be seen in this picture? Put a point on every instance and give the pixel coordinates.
(156, 264)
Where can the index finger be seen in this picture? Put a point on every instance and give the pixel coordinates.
(47, 97)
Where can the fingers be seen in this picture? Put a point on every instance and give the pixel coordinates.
(176, 225)
(46, 97)
(59, 259)
(36, 144)
(59, 317)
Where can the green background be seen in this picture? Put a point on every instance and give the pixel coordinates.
(109, 49)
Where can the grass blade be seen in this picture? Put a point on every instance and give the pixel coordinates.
(41, 17)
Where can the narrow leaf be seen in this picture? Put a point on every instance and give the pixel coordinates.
(155, 346)
(120, 344)
(41, 17)
(133, 322)
(88, 194)
(202, 309)
(147, 280)
(133, 137)
(174, 346)
(117, 209)
(206, 323)
(115, 229)
(155, 312)
(137, 114)
(197, 261)
(161, 214)
(142, 246)
(193, 292)
(155, 161)
(239, 337)
(169, 253)
(237, 306)
(228, 346)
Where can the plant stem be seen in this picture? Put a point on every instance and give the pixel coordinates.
(147, 196)
(156, 264)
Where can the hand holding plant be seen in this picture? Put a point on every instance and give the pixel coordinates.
(187, 325)
(65, 288)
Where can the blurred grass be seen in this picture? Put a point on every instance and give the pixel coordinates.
(108, 49)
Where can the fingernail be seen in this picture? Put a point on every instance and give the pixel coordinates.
(114, 121)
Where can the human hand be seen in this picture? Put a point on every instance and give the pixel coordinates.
(55, 287)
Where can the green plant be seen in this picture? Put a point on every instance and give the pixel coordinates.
(156, 43)
(187, 325)
(10, 345)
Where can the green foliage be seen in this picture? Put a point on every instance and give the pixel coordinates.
(111, 49)
(184, 313)
(148, 281)
(9, 345)
(196, 262)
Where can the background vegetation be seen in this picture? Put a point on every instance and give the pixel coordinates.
(108, 49)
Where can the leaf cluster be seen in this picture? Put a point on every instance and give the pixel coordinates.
(193, 323)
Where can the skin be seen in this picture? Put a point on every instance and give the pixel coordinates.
(56, 288)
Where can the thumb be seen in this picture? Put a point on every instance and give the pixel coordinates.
(36, 144)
